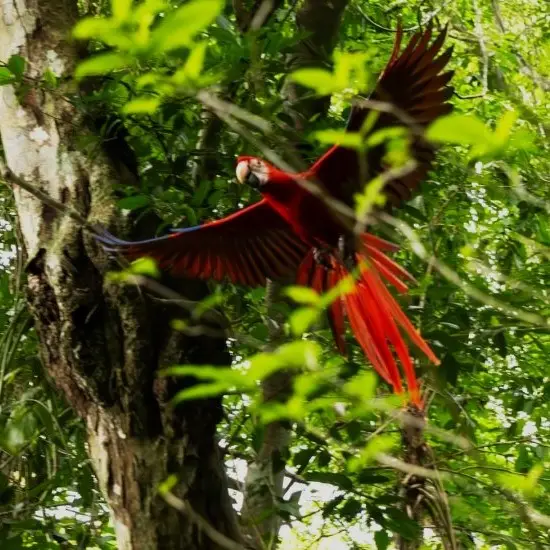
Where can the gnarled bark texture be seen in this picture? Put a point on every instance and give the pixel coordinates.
(102, 344)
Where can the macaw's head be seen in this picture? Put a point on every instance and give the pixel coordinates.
(253, 172)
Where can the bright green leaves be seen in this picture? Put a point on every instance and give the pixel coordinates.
(131, 28)
(353, 140)
(139, 34)
(459, 129)
(526, 484)
(179, 28)
(142, 267)
(246, 376)
(102, 64)
(121, 9)
(144, 105)
(377, 445)
(470, 131)
(349, 72)
(303, 318)
(302, 294)
(320, 80)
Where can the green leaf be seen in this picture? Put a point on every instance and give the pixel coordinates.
(202, 391)
(121, 9)
(302, 319)
(201, 193)
(400, 522)
(168, 484)
(303, 457)
(523, 461)
(504, 126)
(385, 134)
(144, 105)
(369, 478)
(382, 540)
(180, 27)
(94, 27)
(6, 76)
(351, 509)
(332, 478)
(102, 64)
(49, 79)
(192, 69)
(320, 80)
(460, 130)
(16, 64)
(377, 445)
(145, 266)
(302, 295)
(353, 140)
(134, 202)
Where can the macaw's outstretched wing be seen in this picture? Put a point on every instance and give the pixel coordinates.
(415, 86)
(246, 247)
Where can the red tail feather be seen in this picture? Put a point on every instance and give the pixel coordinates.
(373, 313)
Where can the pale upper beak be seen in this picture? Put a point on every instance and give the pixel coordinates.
(242, 171)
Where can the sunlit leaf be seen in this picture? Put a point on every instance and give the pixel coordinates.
(93, 27)
(145, 266)
(168, 484)
(121, 9)
(376, 445)
(318, 79)
(302, 319)
(385, 134)
(302, 294)
(192, 69)
(179, 28)
(102, 64)
(144, 105)
(353, 140)
(459, 129)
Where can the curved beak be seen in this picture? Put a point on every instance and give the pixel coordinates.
(242, 172)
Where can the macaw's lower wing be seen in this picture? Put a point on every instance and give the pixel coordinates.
(247, 247)
(415, 88)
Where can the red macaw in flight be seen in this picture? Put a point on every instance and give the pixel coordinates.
(292, 231)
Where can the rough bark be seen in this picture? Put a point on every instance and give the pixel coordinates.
(320, 20)
(264, 483)
(102, 344)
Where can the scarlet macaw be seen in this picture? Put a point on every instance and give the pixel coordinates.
(294, 231)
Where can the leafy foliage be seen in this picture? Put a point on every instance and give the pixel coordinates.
(477, 238)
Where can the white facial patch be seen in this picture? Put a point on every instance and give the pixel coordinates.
(242, 171)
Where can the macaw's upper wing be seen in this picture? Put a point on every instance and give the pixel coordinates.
(413, 83)
(246, 247)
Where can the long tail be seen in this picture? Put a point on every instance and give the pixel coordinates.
(373, 313)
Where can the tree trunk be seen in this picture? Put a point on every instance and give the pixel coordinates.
(102, 344)
(265, 476)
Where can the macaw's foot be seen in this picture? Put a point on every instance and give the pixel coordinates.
(346, 246)
(322, 257)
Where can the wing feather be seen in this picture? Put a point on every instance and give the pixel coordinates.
(247, 247)
(412, 82)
